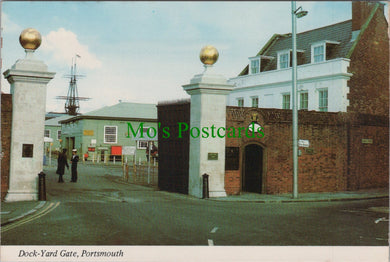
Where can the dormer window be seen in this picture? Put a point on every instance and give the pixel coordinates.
(323, 51)
(258, 63)
(285, 58)
(255, 65)
(318, 53)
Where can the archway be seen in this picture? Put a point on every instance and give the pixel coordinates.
(253, 169)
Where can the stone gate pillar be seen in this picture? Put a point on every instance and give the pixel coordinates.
(208, 109)
(28, 78)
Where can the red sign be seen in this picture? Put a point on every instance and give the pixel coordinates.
(116, 150)
(91, 149)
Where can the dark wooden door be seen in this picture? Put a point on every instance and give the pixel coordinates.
(253, 166)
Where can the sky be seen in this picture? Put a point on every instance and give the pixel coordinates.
(145, 51)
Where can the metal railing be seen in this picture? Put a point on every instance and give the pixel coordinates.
(141, 173)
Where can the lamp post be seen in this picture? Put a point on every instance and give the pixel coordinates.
(294, 14)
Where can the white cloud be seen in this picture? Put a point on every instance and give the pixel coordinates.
(63, 45)
(8, 26)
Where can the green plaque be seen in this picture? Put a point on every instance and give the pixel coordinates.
(367, 141)
(212, 156)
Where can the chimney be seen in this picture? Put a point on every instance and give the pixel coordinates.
(361, 11)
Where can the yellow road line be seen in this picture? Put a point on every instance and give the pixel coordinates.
(27, 219)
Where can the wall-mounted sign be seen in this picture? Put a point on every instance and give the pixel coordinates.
(367, 141)
(309, 151)
(88, 132)
(27, 150)
(128, 150)
(303, 143)
(47, 139)
(212, 156)
(93, 141)
(116, 150)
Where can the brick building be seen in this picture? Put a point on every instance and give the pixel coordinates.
(346, 151)
(345, 147)
(6, 120)
(369, 85)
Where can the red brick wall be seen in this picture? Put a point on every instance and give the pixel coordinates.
(333, 162)
(6, 120)
(232, 182)
(369, 162)
(360, 11)
(369, 85)
(336, 159)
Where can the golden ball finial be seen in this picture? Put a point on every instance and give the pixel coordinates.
(30, 38)
(208, 55)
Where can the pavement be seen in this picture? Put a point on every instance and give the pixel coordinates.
(308, 197)
(14, 211)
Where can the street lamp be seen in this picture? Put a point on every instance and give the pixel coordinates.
(300, 13)
(294, 14)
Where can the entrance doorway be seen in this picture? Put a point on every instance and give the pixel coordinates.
(253, 169)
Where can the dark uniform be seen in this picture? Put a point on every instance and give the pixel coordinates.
(61, 163)
(75, 159)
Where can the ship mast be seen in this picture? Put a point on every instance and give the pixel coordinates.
(72, 105)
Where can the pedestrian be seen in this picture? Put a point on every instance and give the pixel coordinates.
(153, 151)
(75, 159)
(61, 163)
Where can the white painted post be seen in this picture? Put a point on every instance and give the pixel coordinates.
(28, 78)
(208, 108)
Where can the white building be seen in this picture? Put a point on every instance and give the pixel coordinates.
(323, 58)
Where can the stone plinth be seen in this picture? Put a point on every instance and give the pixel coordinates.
(207, 155)
(28, 78)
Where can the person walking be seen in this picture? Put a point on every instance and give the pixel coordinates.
(75, 159)
(61, 163)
